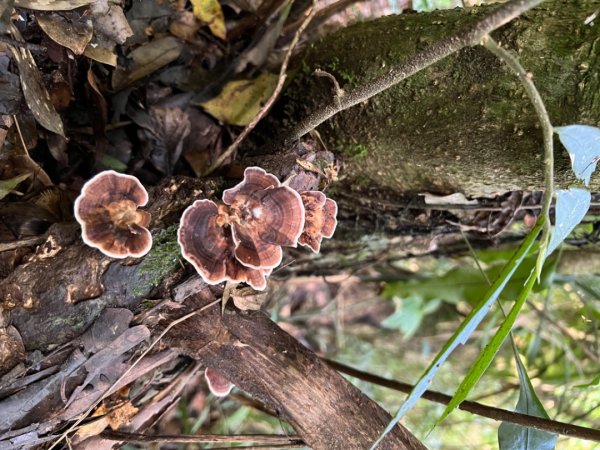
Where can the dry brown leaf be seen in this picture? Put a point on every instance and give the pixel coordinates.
(100, 50)
(122, 415)
(110, 21)
(70, 29)
(147, 59)
(36, 95)
(247, 298)
(170, 127)
(90, 429)
(52, 5)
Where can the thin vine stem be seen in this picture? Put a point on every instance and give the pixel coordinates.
(468, 36)
(547, 130)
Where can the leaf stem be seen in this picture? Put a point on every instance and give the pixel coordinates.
(547, 130)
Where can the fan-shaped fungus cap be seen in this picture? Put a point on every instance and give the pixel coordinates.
(217, 383)
(263, 216)
(209, 248)
(107, 212)
(320, 219)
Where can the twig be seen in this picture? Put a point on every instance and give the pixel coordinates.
(469, 36)
(545, 123)
(491, 412)
(144, 353)
(269, 439)
(267, 106)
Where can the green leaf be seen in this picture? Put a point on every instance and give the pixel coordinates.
(409, 314)
(485, 358)
(595, 382)
(571, 207)
(465, 283)
(466, 328)
(7, 186)
(517, 437)
(583, 144)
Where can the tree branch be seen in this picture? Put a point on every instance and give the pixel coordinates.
(471, 35)
(491, 412)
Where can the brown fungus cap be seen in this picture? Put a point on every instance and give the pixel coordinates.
(209, 247)
(217, 383)
(263, 216)
(320, 219)
(107, 211)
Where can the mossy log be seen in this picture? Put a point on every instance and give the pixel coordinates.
(465, 124)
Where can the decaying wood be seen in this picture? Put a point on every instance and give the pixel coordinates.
(72, 304)
(258, 357)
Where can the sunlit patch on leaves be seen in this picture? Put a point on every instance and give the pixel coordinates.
(583, 144)
(240, 100)
(210, 12)
(518, 437)
(7, 186)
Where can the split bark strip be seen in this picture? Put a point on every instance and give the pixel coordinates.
(260, 358)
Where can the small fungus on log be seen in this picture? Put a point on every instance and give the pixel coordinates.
(321, 219)
(107, 211)
(217, 383)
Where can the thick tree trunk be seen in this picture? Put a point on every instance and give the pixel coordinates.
(465, 124)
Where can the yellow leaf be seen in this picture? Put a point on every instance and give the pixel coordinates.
(240, 100)
(210, 12)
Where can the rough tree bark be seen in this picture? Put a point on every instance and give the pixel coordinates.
(461, 126)
(465, 124)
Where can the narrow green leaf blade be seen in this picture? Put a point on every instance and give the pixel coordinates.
(465, 329)
(485, 358)
(517, 437)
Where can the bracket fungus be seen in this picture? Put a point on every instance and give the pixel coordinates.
(209, 247)
(321, 219)
(217, 383)
(107, 211)
(241, 239)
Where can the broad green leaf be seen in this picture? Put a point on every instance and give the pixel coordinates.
(517, 437)
(466, 328)
(583, 144)
(465, 283)
(7, 186)
(571, 207)
(210, 12)
(409, 314)
(240, 100)
(485, 358)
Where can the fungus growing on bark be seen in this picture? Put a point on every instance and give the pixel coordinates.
(217, 383)
(320, 219)
(241, 240)
(264, 216)
(209, 248)
(107, 211)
